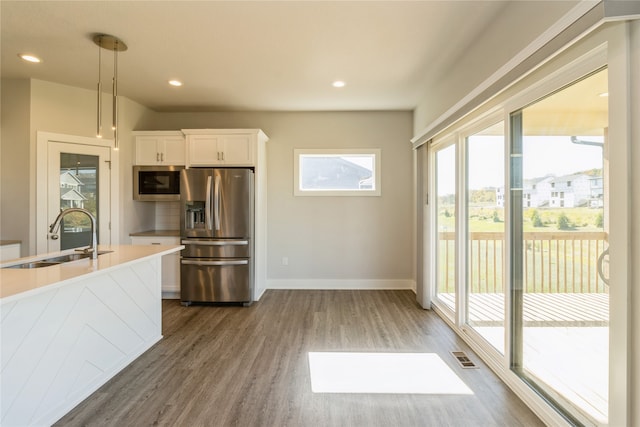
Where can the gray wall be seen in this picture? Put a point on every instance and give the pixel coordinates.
(325, 238)
(328, 238)
(519, 24)
(29, 106)
(15, 162)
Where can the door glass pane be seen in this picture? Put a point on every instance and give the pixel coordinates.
(485, 238)
(446, 225)
(78, 189)
(562, 330)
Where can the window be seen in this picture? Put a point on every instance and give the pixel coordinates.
(337, 172)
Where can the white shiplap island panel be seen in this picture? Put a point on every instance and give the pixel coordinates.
(61, 340)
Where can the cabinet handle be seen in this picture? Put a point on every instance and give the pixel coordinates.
(223, 156)
(162, 157)
(157, 157)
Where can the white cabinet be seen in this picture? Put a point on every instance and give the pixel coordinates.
(170, 263)
(222, 147)
(159, 148)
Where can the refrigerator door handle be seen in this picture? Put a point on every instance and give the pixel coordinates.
(216, 202)
(216, 242)
(207, 206)
(215, 263)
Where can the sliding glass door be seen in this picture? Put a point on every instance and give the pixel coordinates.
(559, 215)
(445, 200)
(485, 222)
(521, 245)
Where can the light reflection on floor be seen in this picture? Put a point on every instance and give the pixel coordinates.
(398, 373)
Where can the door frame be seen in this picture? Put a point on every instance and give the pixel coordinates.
(42, 202)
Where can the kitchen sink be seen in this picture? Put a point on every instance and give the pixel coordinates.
(61, 259)
(34, 264)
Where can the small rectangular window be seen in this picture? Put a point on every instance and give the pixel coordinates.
(337, 172)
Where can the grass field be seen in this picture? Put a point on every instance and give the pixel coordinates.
(490, 218)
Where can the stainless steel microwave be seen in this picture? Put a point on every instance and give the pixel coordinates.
(156, 183)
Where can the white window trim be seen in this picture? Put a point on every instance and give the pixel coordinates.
(377, 172)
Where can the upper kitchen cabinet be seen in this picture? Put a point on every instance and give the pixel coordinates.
(223, 147)
(159, 148)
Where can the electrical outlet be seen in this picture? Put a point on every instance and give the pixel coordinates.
(285, 260)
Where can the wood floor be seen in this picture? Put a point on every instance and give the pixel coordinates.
(236, 366)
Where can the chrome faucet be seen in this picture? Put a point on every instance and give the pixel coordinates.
(93, 246)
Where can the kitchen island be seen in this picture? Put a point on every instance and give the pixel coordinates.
(66, 329)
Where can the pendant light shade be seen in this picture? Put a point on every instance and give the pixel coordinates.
(105, 41)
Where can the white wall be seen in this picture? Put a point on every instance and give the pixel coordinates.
(329, 241)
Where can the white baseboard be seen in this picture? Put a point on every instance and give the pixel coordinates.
(170, 294)
(336, 284)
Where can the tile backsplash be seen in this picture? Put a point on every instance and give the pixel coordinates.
(167, 216)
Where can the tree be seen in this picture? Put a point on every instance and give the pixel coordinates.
(482, 197)
(563, 222)
(599, 220)
(535, 219)
(496, 217)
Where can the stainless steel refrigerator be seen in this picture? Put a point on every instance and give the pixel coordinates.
(216, 216)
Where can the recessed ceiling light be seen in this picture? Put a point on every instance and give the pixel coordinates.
(29, 58)
(338, 83)
(175, 82)
(603, 94)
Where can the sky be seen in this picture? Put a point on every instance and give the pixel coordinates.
(542, 155)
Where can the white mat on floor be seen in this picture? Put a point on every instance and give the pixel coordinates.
(404, 373)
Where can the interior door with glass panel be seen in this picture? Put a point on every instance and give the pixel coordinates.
(444, 159)
(559, 240)
(78, 177)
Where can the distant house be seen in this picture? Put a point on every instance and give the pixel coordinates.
(71, 191)
(536, 193)
(596, 192)
(334, 173)
(570, 191)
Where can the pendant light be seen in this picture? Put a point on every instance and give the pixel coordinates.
(105, 41)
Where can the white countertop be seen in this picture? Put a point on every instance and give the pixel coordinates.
(17, 282)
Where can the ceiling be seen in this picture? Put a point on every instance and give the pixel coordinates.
(247, 55)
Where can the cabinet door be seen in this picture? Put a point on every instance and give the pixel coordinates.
(147, 150)
(173, 151)
(170, 263)
(237, 150)
(203, 150)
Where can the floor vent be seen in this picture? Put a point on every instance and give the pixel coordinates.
(463, 359)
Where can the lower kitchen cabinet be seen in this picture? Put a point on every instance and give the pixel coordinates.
(170, 263)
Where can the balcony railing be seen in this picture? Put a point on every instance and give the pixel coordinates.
(554, 262)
